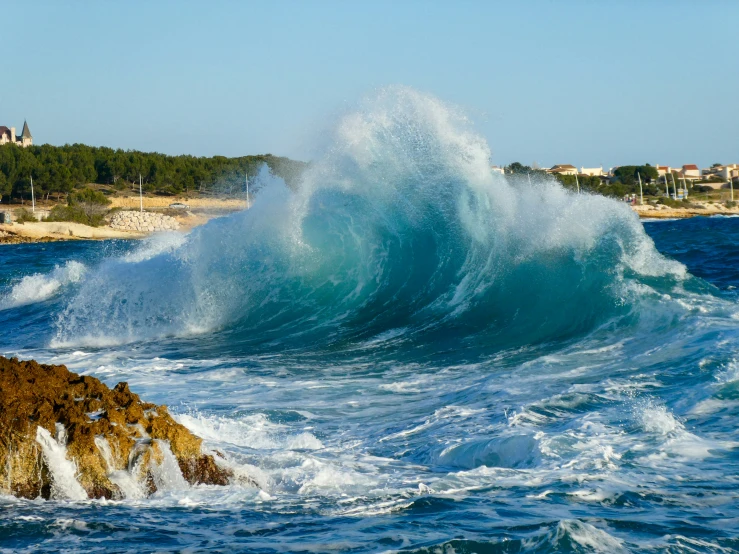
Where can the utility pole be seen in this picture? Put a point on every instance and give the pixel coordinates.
(577, 182)
(33, 198)
(641, 192)
(141, 196)
(731, 183)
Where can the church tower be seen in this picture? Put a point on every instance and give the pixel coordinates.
(25, 139)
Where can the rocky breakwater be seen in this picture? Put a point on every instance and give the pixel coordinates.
(68, 436)
(145, 222)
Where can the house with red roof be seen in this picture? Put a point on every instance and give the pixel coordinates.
(562, 169)
(691, 171)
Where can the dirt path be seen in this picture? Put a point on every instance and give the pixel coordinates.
(133, 202)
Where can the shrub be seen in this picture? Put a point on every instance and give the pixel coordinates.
(730, 204)
(87, 206)
(88, 196)
(22, 215)
(75, 214)
(684, 203)
(700, 188)
(667, 201)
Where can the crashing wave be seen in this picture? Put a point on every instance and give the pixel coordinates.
(400, 225)
(39, 287)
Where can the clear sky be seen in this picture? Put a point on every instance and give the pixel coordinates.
(586, 83)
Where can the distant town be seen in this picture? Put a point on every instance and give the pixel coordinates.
(59, 170)
(717, 176)
(653, 191)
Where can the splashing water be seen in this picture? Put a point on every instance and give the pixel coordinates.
(400, 227)
(36, 288)
(167, 474)
(64, 484)
(130, 484)
(409, 353)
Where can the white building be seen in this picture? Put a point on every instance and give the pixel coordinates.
(592, 171)
(663, 170)
(496, 169)
(7, 134)
(690, 171)
(725, 172)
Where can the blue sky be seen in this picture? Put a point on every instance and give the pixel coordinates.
(586, 83)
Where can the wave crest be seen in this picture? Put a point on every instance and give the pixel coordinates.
(400, 225)
(39, 287)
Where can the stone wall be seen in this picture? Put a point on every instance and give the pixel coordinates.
(145, 222)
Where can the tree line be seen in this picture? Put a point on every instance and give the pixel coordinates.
(625, 179)
(58, 170)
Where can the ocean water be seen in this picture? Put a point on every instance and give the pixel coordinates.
(406, 354)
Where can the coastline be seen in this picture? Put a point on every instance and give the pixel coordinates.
(16, 233)
(199, 212)
(659, 211)
(207, 209)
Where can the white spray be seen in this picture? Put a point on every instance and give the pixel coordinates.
(64, 484)
(167, 475)
(128, 483)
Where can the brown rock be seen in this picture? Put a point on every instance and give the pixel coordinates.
(13, 238)
(34, 395)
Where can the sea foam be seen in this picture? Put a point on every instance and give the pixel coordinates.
(39, 287)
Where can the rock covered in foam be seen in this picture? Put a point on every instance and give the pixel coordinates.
(65, 435)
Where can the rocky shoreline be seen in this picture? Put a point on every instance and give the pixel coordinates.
(66, 436)
(43, 231)
(658, 211)
(7, 237)
(130, 224)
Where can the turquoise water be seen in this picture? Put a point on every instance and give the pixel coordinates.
(407, 354)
